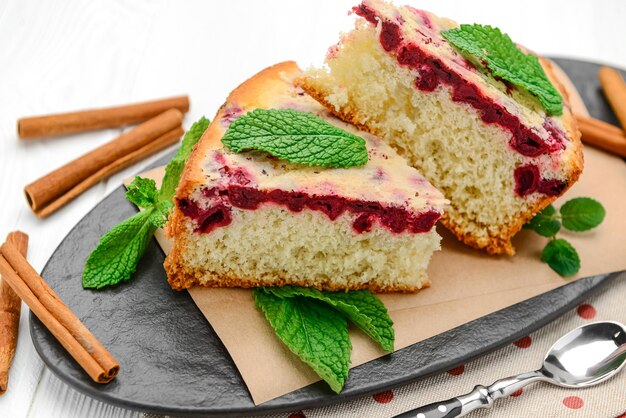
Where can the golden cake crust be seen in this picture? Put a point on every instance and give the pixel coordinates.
(500, 242)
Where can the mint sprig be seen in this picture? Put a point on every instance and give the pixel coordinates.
(578, 214)
(297, 137)
(115, 258)
(487, 45)
(289, 311)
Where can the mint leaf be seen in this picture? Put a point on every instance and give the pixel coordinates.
(546, 222)
(361, 307)
(297, 137)
(370, 306)
(142, 192)
(116, 256)
(561, 257)
(316, 334)
(485, 44)
(582, 214)
(175, 167)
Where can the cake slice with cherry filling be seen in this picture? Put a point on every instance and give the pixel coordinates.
(494, 149)
(249, 219)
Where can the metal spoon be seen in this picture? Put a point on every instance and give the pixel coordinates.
(585, 356)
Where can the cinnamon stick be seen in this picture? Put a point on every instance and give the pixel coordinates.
(56, 316)
(602, 135)
(10, 307)
(91, 120)
(52, 191)
(614, 89)
(165, 140)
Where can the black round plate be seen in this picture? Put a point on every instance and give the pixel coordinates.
(172, 362)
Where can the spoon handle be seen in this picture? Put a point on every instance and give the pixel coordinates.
(480, 397)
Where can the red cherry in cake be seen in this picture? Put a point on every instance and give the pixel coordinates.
(390, 36)
(526, 179)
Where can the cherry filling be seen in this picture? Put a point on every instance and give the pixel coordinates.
(395, 219)
(363, 223)
(527, 181)
(245, 198)
(390, 36)
(427, 80)
(551, 187)
(366, 13)
(206, 219)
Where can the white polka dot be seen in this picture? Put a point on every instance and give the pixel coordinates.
(442, 408)
(420, 415)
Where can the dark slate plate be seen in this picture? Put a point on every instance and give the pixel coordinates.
(172, 362)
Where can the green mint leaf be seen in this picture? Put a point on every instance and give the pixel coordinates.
(142, 192)
(297, 137)
(175, 167)
(361, 307)
(116, 256)
(316, 334)
(380, 329)
(546, 223)
(582, 214)
(488, 45)
(561, 257)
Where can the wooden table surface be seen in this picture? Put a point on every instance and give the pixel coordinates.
(59, 56)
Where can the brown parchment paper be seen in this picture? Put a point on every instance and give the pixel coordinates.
(466, 284)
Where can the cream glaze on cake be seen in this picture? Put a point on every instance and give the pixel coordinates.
(252, 220)
(488, 146)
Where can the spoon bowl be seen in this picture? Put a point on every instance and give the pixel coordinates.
(582, 357)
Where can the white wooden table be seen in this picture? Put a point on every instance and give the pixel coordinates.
(57, 56)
